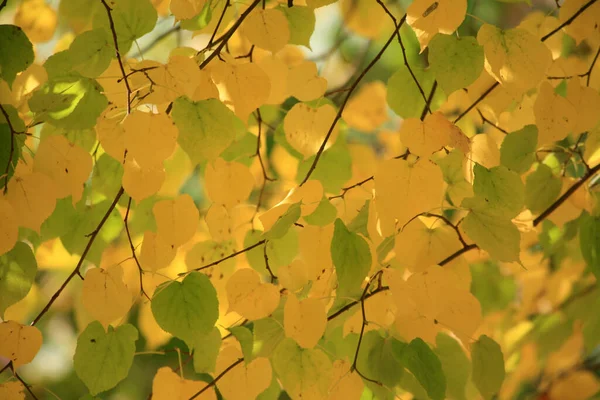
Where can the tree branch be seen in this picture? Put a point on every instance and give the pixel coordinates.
(92, 237)
(114, 35)
(214, 381)
(228, 34)
(219, 261)
(343, 105)
(569, 21)
(137, 262)
(346, 189)
(13, 132)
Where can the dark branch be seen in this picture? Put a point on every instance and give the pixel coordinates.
(343, 105)
(219, 261)
(569, 21)
(92, 237)
(137, 262)
(214, 381)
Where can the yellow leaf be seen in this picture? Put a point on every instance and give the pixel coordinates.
(33, 198)
(424, 138)
(247, 85)
(305, 127)
(156, 254)
(367, 110)
(405, 190)
(345, 384)
(304, 320)
(228, 183)
(432, 301)
(514, 57)
(206, 88)
(310, 194)
(150, 138)
(540, 25)
(577, 385)
(219, 223)
(277, 71)
(268, 29)
(380, 309)
(249, 297)
(176, 220)
(315, 249)
(168, 385)
(142, 182)
(10, 227)
(428, 17)
(13, 390)
(186, 9)
(111, 134)
(293, 276)
(67, 164)
(304, 82)
(586, 102)
(37, 19)
(246, 380)
(179, 77)
(418, 246)
(484, 151)
(364, 17)
(587, 25)
(105, 295)
(555, 116)
(19, 343)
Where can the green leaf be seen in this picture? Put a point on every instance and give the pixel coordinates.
(91, 52)
(376, 359)
(302, 24)
(284, 223)
(403, 95)
(589, 240)
(302, 370)
(17, 274)
(517, 152)
(187, 308)
(455, 62)
(351, 257)
(200, 21)
(107, 175)
(246, 339)
(17, 52)
(71, 102)
(360, 223)
(102, 359)
(500, 188)
(83, 220)
(493, 290)
(206, 128)
(324, 214)
(424, 364)
(455, 363)
(84, 138)
(267, 334)
(490, 230)
(542, 187)
(206, 349)
(488, 366)
(132, 20)
(7, 140)
(333, 170)
(281, 251)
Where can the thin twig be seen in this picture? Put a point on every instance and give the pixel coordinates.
(137, 262)
(485, 120)
(569, 21)
(587, 74)
(355, 302)
(346, 189)
(273, 277)
(229, 33)
(214, 381)
(362, 328)
(406, 63)
(565, 195)
(92, 237)
(219, 261)
(343, 105)
(114, 35)
(427, 107)
(24, 384)
(451, 225)
(212, 37)
(11, 152)
(262, 164)
(479, 99)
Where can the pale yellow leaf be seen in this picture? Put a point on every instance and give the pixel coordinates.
(19, 343)
(304, 320)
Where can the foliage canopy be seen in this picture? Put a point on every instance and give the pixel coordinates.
(205, 206)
